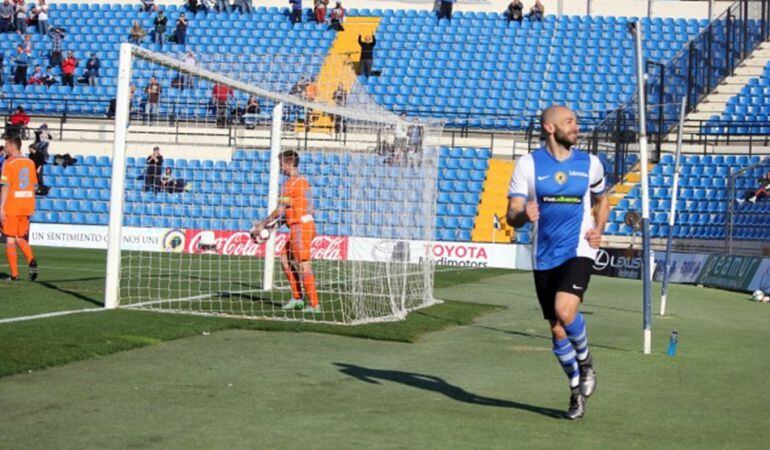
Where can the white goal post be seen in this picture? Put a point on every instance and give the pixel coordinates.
(221, 123)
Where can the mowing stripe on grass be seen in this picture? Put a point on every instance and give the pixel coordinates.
(47, 315)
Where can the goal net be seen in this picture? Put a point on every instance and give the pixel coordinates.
(221, 123)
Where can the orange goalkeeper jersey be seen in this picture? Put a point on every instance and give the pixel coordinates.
(20, 179)
(296, 197)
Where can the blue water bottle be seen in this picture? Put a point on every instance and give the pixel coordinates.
(672, 343)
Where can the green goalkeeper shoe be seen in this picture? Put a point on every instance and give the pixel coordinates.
(294, 304)
(312, 309)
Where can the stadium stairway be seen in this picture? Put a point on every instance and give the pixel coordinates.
(715, 104)
(338, 66)
(493, 203)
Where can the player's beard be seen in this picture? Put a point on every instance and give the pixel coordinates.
(565, 139)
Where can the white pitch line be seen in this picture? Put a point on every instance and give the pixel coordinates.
(51, 314)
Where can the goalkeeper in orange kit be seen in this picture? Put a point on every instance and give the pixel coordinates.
(295, 208)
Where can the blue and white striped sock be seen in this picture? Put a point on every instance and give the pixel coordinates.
(566, 356)
(576, 333)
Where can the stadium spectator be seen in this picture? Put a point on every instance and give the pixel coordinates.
(26, 43)
(445, 10)
(6, 16)
(244, 6)
(202, 6)
(159, 30)
(42, 140)
(537, 12)
(39, 160)
(21, 19)
(762, 192)
(400, 135)
(57, 36)
(148, 6)
(221, 6)
(2, 67)
(340, 98)
(186, 81)
(251, 113)
(296, 11)
(137, 33)
(221, 95)
(20, 63)
(68, 67)
(414, 144)
(152, 106)
(180, 31)
(337, 17)
(152, 169)
(40, 14)
(166, 183)
(18, 122)
(17, 204)
(92, 69)
(37, 77)
(319, 10)
(515, 11)
(367, 44)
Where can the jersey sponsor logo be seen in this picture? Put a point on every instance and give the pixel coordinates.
(569, 199)
(23, 194)
(560, 177)
(577, 173)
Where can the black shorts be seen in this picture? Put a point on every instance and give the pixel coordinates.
(572, 277)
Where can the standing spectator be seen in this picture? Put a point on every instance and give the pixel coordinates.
(159, 31)
(192, 6)
(153, 91)
(26, 43)
(243, 6)
(414, 145)
(320, 10)
(57, 35)
(537, 12)
(152, 170)
(180, 32)
(399, 137)
(19, 120)
(337, 17)
(21, 19)
(42, 140)
(20, 62)
(6, 16)
(220, 98)
(148, 6)
(68, 67)
(2, 68)
(186, 81)
(221, 6)
(367, 53)
(252, 110)
(39, 161)
(42, 18)
(515, 11)
(340, 98)
(196, 6)
(296, 11)
(445, 10)
(92, 69)
(137, 33)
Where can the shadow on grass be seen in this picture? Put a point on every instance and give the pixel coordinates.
(549, 338)
(50, 284)
(439, 385)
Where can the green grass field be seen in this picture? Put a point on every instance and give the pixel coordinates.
(475, 372)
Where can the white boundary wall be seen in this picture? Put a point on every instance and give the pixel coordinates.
(629, 8)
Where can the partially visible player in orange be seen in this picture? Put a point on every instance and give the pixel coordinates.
(295, 207)
(18, 183)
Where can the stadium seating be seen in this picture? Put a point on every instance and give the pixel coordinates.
(752, 104)
(80, 194)
(471, 74)
(702, 203)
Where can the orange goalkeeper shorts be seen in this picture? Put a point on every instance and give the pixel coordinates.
(16, 226)
(300, 238)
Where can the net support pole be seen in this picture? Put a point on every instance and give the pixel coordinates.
(672, 212)
(272, 193)
(118, 182)
(643, 157)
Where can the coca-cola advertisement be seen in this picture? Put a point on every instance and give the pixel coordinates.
(239, 243)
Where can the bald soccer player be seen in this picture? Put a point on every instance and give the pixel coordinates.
(18, 182)
(561, 190)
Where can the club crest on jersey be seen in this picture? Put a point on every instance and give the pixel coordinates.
(560, 177)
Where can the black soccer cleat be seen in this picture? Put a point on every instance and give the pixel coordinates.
(577, 405)
(587, 376)
(33, 271)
